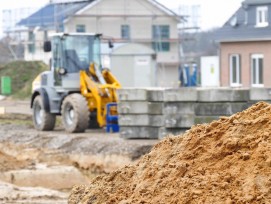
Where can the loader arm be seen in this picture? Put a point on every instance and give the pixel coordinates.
(98, 92)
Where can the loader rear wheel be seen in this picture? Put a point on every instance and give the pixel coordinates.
(75, 113)
(42, 120)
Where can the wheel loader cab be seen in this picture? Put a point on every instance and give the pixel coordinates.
(72, 53)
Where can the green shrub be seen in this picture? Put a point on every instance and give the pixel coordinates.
(22, 74)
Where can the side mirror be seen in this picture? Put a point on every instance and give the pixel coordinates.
(110, 44)
(47, 46)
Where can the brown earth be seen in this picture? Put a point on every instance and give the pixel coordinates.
(226, 161)
(8, 162)
(26, 153)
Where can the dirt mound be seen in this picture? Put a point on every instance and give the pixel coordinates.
(10, 163)
(226, 161)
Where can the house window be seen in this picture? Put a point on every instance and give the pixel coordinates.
(160, 35)
(235, 70)
(31, 42)
(262, 16)
(80, 28)
(257, 70)
(125, 32)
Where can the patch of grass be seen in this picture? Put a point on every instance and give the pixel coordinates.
(16, 119)
(21, 119)
(27, 123)
(22, 74)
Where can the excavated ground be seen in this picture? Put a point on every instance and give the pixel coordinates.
(42, 167)
(226, 161)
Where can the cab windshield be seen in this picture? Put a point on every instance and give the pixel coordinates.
(80, 51)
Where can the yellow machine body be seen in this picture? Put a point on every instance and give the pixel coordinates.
(98, 95)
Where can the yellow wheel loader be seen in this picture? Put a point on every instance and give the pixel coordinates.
(76, 87)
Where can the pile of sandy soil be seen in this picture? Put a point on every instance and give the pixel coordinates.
(226, 161)
(8, 162)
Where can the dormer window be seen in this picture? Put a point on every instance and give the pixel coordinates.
(262, 16)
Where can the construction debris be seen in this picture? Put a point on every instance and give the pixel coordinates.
(226, 161)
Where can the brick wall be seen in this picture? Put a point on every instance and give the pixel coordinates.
(245, 49)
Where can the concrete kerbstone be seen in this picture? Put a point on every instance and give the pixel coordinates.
(223, 95)
(227, 109)
(260, 94)
(179, 121)
(140, 107)
(156, 95)
(139, 132)
(179, 108)
(180, 94)
(205, 119)
(132, 94)
(141, 120)
(164, 132)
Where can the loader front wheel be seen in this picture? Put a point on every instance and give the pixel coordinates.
(75, 114)
(42, 120)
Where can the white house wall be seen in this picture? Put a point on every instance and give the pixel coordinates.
(111, 16)
(167, 76)
(140, 27)
(39, 54)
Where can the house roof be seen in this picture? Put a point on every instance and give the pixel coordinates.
(167, 10)
(53, 12)
(256, 2)
(242, 24)
(59, 12)
(160, 6)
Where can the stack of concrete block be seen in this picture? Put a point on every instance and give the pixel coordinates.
(156, 113)
(259, 94)
(213, 103)
(178, 110)
(140, 114)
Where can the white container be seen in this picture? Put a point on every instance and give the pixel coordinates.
(210, 71)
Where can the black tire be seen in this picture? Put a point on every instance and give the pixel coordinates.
(75, 113)
(42, 120)
(93, 123)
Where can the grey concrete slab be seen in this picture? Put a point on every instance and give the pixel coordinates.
(179, 121)
(164, 132)
(225, 108)
(205, 119)
(260, 94)
(140, 107)
(250, 103)
(180, 94)
(139, 132)
(156, 95)
(179, 108)
(132, 94)
(225, 95)
(141, 120)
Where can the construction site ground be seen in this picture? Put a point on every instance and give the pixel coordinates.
(42, 167)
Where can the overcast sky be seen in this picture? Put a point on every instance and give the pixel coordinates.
(214, 13)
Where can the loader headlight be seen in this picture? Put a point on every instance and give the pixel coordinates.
(36, 84)
(62, 71)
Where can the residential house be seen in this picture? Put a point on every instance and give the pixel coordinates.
(144, 22)
(245, 46)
